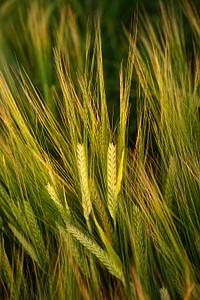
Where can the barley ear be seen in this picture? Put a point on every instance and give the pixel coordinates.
(83, 177)
(65, 211)
(25, 244)
(34, 231)
(97, 251)
(140, 246)
(164, 294)
(72, 249)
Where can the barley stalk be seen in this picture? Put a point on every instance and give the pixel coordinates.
(120, 174)
(100, 208)
(111, 180)
(5, 268)
(197, 242)
(4, 194)
(170, 182)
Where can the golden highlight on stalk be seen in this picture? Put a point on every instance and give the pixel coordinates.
(111, 180)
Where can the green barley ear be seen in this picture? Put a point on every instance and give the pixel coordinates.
(52, 193)
(139, 242)
(71, 246)
(164, 294)
(83, 177)
(65, 211)
(25, 244)
(34, 231)
(170, 182)
(112, 265)
(111, 180)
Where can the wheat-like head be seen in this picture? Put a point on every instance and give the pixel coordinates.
(97, 251)
(83, 177)
(34, 231)
(164, 294)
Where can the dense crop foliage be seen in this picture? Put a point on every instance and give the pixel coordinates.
(82, 214)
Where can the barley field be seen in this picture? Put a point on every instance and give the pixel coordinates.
(84, 212)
